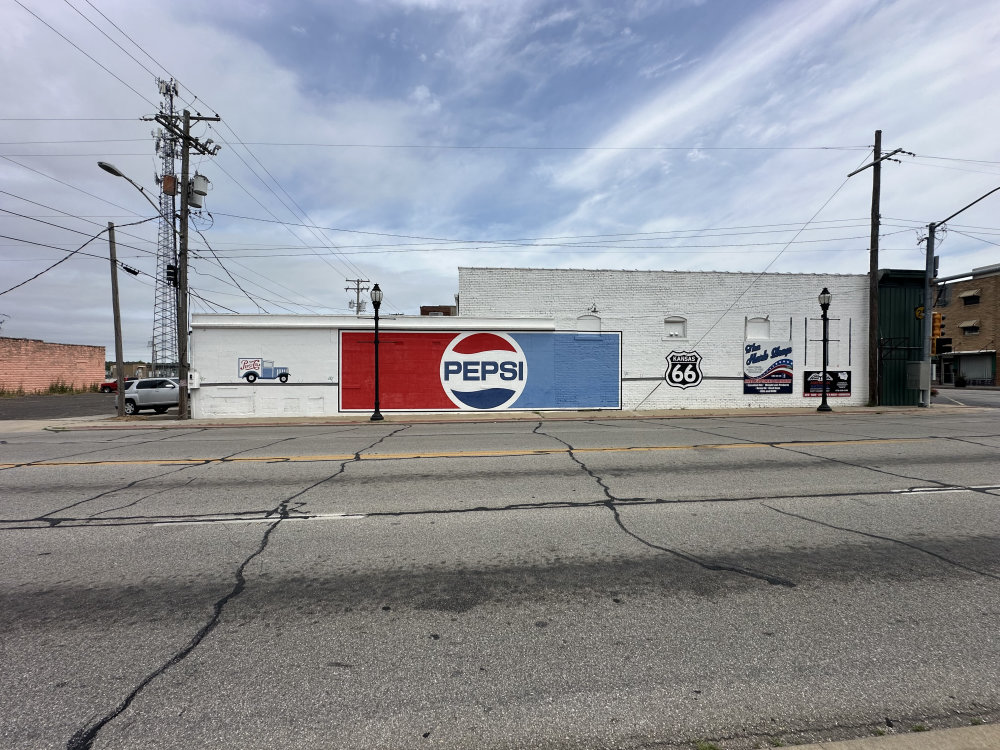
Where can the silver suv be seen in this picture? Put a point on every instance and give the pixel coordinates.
(158, 394)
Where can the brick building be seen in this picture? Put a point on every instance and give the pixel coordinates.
(720, 315)
(33, 366)
(530, 339)
(971, 310)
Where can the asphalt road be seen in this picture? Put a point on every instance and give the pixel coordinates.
(571, 584)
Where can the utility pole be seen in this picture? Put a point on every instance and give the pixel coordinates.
(182, 278)
(187, 144)
(119, 357)
(359, 304)
(873, 323)
(925, 334)
(929, 274)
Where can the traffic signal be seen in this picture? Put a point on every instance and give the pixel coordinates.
(172, 275)
(937, 325)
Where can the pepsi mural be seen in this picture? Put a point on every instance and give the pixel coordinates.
(482, 370)
(767, 367)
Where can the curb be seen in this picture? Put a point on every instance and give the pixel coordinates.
(985, 737)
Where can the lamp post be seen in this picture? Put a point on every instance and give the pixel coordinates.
(181, 302)
(825, 298)
(376, 303)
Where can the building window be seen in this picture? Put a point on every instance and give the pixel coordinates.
(675, 327)
(588, 325)
(970, 297)
(758, 329)
(969, 327)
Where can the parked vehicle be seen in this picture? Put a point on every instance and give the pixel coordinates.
(158, 394)
(111, 386)
(251, 368)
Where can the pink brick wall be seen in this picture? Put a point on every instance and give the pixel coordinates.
(34, 365)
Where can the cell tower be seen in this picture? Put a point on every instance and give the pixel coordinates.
(165, 303)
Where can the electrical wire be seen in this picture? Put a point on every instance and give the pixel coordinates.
(755, 280)
(84, 53)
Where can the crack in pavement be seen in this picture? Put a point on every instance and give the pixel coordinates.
(107, 447)
(611, 504)
(45, 517)
(916, 547)
(875, 469)
(83, 738)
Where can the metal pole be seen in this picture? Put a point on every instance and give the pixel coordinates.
(925, 344)
(377, 416)
(824, 406)
(119, 363)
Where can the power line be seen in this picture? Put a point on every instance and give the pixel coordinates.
(84, 53)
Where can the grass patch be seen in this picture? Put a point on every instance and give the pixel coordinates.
(58, 388)
(776, 742)
(919, 728)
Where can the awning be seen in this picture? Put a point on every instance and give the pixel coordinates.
(969, 324)
(970, 293)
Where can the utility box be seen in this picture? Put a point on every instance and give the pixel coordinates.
(194, 380)
(918, 376)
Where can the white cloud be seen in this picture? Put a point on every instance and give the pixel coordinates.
(386, 86)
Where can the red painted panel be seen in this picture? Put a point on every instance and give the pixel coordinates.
(409, 370)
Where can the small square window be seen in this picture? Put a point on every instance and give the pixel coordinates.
(675, 327)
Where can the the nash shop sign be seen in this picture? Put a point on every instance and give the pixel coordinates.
(480, 370)
(767, 367)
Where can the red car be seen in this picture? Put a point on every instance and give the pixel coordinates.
(111, 386)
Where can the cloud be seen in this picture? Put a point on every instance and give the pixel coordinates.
(395, 122)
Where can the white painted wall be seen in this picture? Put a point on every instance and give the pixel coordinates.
(716, 307)
(308, 345)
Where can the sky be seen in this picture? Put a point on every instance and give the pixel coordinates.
(394, 141)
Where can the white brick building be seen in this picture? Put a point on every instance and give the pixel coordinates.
(715, 314)
(531, 339)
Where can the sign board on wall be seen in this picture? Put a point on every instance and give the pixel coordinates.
(767, 367)
(683, 370)
(838, 383)
(480, 370)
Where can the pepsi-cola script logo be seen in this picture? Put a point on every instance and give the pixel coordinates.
(483, 371)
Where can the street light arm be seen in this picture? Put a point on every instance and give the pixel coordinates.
(112, 169)
(967, 207)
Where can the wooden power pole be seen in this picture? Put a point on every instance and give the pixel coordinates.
(873, 324)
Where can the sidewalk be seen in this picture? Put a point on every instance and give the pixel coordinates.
(170, 421)
(986, 737)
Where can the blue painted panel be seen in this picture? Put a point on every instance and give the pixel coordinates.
(570, 370)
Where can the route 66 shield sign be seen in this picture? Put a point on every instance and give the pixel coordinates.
(683, 369)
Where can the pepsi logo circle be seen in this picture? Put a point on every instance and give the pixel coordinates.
(483, 371)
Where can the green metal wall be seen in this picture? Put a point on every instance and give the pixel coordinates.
(900, 293)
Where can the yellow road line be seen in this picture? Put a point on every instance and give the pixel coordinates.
(456, 454)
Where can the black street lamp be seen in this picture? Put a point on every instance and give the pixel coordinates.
(376, 303)
(825, 298)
